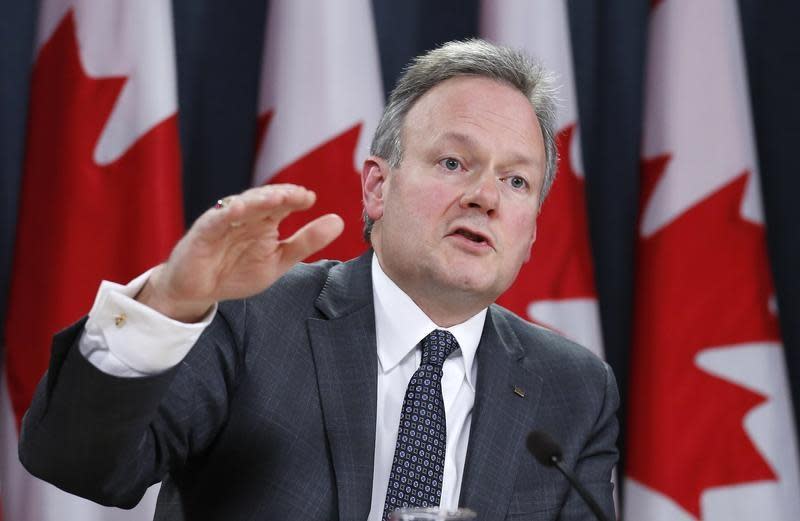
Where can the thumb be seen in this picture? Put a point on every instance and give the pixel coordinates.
(310, 239)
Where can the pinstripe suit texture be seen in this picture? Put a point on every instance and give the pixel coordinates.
(271, 416)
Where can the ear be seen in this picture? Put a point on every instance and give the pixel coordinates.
(373, 176)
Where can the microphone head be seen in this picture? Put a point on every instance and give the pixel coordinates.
(544, 448)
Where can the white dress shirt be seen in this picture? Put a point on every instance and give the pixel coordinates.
(126, 338)
(400, 325)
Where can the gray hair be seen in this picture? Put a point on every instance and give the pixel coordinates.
(467, 58)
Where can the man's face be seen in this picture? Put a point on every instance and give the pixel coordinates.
(456, 220)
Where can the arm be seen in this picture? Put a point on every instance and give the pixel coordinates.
(123, 337)
(107, 438)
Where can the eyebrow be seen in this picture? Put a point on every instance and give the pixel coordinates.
(470, 142)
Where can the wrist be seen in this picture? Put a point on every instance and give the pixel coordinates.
(156, 297)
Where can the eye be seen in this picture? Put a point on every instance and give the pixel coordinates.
(450, 164)
(518, 182)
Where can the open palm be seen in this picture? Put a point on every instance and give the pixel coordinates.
(236, 251)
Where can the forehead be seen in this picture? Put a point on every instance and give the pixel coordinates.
(489, 111)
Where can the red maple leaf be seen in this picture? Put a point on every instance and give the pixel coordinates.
(327, 170)
(561, 262)
(703, 281)
(81, 222)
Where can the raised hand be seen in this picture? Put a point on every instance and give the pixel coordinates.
(234, 251)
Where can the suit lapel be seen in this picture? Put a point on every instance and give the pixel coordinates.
(345, 357)
(501, 420)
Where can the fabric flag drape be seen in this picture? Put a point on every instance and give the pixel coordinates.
(556, 288)
(320, 101)
(710, 429)
(100, 199)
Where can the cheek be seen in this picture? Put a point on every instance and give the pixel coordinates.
(436, 199)
(425, 203)
(524, 220)
(523, 232)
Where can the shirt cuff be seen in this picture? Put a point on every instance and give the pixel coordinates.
(123, 337)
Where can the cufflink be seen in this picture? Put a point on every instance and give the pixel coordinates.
(119, 320)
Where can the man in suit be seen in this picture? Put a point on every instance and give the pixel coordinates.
(259, 388)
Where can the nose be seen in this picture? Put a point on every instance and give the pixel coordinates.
(482, 193)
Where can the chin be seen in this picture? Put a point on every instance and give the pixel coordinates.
(471, 284)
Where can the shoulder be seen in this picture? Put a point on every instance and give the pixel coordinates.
(324, 288)
(295, 290)
(548, 353)
(540, 339)
(579, 395)
(302, 279)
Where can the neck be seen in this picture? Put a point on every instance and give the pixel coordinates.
(444, 304)
(444, 314)
(446, 307)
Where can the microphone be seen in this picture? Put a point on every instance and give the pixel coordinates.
(547, 452)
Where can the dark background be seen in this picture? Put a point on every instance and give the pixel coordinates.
(218, 58)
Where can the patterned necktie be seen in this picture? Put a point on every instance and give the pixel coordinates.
(418, 464)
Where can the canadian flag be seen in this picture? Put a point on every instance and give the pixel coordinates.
(710, 428)
(320, 101)
(101, 199)
(556, 288)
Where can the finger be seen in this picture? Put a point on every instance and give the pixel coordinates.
(271, 193)
(266, 203)
(310, 239)
(273, 186)
(216, 223)
(271, 204)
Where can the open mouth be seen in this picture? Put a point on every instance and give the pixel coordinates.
(472, 236)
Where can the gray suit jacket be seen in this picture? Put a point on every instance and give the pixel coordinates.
(272, 414)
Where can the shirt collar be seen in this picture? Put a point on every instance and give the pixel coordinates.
(400, 325)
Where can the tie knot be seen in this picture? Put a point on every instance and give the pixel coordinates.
(437, 346)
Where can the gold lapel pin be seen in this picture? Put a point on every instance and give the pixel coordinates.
(519, 391)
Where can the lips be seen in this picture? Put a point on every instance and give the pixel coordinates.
(473, 235)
